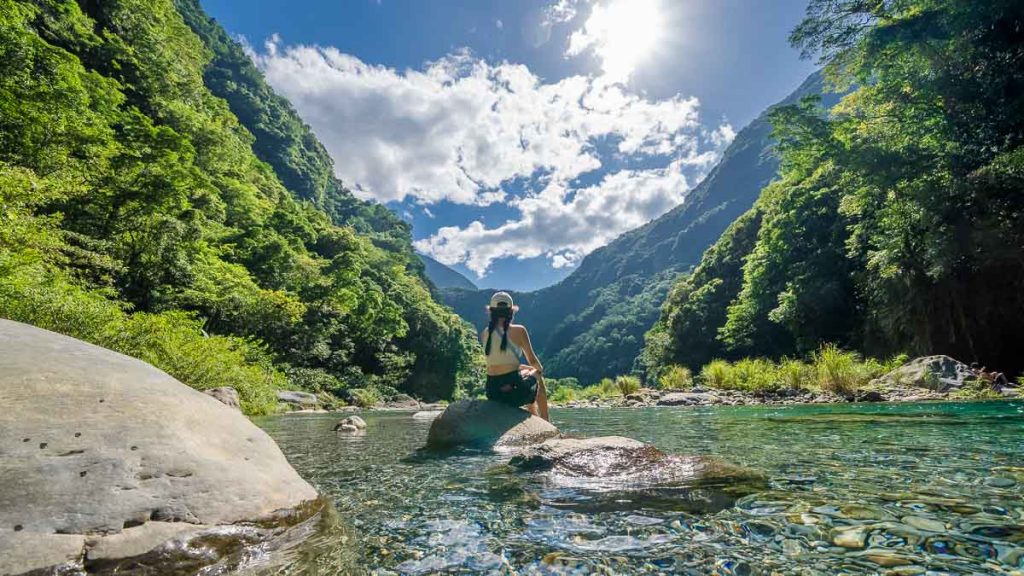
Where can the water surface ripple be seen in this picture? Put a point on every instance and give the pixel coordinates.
(886, 488)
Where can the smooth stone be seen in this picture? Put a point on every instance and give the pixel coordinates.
(403, 402)
(887, 558)
(294, 397)
(1000, 482)
(227, 395)
(22, 552)
(791, 547)
(346, 428)
(922, 523)
(938, 373)
(116, 443)
(351, 421)
(850, 537)
(427, 414)
(487, 424)
(687, 399)
(628, 474)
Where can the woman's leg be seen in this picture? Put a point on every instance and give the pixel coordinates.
(542, 399)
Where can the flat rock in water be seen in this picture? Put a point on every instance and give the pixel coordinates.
(486, 424)
(403, 402)
(686, 399)
(938, 373)
(352, 421)
(296, 398)
(427, 414)
(622, 473)
(105, 458)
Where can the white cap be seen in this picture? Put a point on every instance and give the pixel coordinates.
(502, 300)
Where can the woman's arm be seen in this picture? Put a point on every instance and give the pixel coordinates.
(523, 338)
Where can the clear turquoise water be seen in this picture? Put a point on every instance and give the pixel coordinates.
(935, 488)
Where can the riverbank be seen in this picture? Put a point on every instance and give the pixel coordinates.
(699, 396)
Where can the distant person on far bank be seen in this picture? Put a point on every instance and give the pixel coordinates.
(509, 381)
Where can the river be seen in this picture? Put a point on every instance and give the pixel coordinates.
(855, 488)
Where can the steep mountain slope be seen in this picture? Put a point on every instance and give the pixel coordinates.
(141, 213)
(444, 277)
(287, 143)
(897, 223)
(591, 324)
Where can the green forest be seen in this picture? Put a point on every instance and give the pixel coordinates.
(157, 198)
(896, 224)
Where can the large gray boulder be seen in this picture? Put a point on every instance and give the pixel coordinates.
(622, 472)
(937, 373)
(104, 459)
(486, 424)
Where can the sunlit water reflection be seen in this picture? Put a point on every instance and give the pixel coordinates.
(909, 489)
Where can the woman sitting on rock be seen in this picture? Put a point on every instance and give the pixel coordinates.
(509, 381)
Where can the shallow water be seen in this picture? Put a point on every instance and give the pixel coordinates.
(914, 488)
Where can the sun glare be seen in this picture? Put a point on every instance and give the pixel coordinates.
(623, 33)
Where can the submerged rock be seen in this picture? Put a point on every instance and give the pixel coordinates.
(227, 396)
(104, 459)
(621, 472)
(486, 424)
(937, 373)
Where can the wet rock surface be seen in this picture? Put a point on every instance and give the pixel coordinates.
(621, 472)
(105, 458)
(486, 424)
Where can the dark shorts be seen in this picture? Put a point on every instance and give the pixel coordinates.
(523, 390)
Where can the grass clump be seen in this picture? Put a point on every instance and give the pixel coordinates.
(675, 377)
(976, 389)
(365, 397)
(717, 374)
(837, 370)
(627, 384)
(830, 369)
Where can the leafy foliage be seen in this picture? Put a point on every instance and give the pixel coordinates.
(134, 200)
(897, 223)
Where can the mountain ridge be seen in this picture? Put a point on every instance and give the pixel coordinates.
(444, 276)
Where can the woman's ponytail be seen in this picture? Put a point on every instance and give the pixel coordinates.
(504, 333)
(490, 330)
(505, 315)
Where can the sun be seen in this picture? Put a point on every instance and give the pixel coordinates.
(623, 33)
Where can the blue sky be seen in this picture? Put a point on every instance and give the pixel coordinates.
(519, 136)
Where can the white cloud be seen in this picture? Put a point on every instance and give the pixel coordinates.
(471, 132)
(564, 224)
(499, 24)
